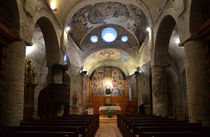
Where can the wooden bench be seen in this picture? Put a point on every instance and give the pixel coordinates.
(37, 134)
(132, 126)
(71, 126)
(174, 134)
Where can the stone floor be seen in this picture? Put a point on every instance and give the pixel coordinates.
(108, 128)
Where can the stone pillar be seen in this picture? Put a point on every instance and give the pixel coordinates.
(159, 91)
(198, 90)
(14, 94)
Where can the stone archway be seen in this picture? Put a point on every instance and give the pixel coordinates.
(44, 53)
(160, 62)
(51, 41)
(160, 51)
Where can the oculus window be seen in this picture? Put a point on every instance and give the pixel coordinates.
(124, 38)
(109, 34)
(94, 38)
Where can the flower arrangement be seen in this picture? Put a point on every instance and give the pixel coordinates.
(110, 112)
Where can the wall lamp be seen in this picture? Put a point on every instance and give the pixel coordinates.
(83, 73)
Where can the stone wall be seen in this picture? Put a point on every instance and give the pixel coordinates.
(38, 57)
(86, 84)
(30, 12)
(76, 86)
(144, 93)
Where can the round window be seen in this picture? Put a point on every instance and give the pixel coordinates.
(109, 34)
(124, 38)
(94, 38)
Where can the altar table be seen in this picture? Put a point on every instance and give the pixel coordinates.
(109, 107)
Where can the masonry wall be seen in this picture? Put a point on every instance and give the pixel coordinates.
(38, 57)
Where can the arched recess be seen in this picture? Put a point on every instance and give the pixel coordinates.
(108, 86)
(162, 66)
(42, 54)
(110, 57)
(52, 47)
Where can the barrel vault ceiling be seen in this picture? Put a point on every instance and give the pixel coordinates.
(89, 17)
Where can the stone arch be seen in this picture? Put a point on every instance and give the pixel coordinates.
(160, 50)
(160, 62)
(103, 66)
(53, 54)
(46, 53)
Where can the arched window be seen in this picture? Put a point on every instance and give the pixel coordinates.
(65, 59)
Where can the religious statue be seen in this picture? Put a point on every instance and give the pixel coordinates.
(108, 91)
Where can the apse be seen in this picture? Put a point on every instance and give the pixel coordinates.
(108, 78)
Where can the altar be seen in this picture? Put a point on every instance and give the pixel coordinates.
(103, 109)
(109, 107)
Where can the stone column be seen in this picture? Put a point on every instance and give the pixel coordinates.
(198, 90)
(14, 94)
(159, 91)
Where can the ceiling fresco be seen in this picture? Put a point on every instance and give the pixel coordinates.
(88, 47)
(90, 16)
(110, 57)
(112, 54)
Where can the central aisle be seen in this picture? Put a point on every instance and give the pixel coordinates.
(108, 128)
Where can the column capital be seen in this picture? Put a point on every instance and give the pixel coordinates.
(18, 43)
(190, 37)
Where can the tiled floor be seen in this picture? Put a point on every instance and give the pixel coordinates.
(108, 128)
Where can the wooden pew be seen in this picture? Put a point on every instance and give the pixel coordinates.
(72, 126)
(130, 126)
(77, 127)
(80, 130)
(38, 134)
(174, 134)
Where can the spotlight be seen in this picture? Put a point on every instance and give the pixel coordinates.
(68, 29)
(83, 73)
(148, 29)
(53, 6)
(177, 40)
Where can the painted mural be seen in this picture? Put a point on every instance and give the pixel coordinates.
(159, 85)
(118, 58)
(93, 15)
(112, 54)
(108, 79)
